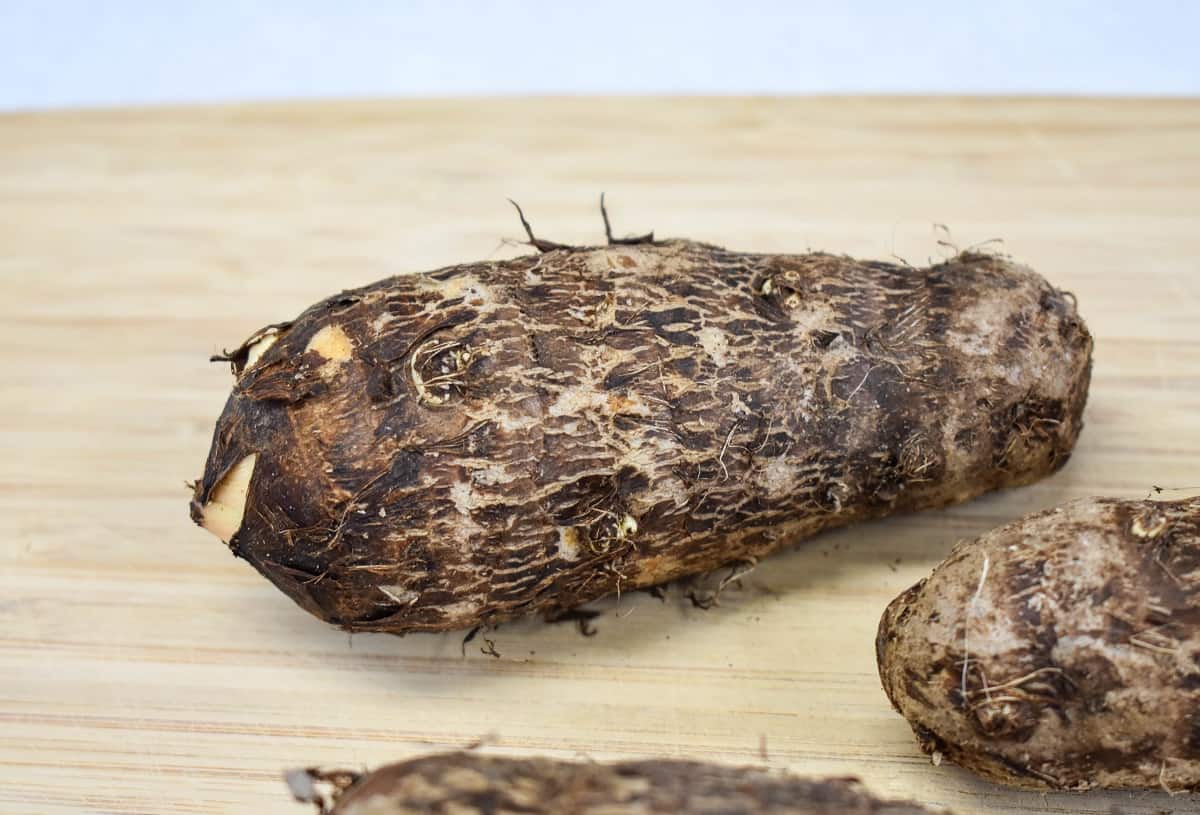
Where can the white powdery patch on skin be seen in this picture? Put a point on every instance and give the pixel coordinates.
(976, 327)
(653, 455)
(991, 631)
(1090, 563)
(510, 421)
(464, 497)
(736, 404)
(964, 606)
(715, 344)
(382, 321)
(802, 407)
(463, 611)
(492, 475)
(837, 356)
(575, 399)
(467, 286)
(814, 314)
(778, 478)
(1075, 649)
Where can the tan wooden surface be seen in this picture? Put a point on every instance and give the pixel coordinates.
(143, 669)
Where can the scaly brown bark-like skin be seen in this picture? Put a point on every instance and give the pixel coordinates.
(466, 783)
(498, 439)
(1080, 632)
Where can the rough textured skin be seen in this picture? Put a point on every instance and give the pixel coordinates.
(471, 784)
(1081, 646)
(524, 436)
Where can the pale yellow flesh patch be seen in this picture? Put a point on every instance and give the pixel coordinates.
(332, 343)
(226, 506)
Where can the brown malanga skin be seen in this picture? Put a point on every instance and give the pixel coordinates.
(467, 783)
(1079, 630)
(443, 450)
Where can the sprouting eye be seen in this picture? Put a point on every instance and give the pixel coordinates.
(439, 370)
(784, 289)
(608, 532)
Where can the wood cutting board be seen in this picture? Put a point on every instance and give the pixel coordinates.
(143, 669)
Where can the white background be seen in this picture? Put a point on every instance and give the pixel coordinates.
(74, 52)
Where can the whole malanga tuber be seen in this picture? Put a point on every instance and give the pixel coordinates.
(442, 450)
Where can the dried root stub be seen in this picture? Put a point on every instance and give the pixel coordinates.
(468, 783)
(1060, 651)
(443, 450)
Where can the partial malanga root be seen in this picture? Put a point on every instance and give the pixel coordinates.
(473, 784)
(1060, 651)
(456, 448)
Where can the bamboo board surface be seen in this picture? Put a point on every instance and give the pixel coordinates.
(143, 669)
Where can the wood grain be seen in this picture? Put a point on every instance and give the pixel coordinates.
(143, 669)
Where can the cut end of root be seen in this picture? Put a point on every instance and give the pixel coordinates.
(222, 515)
(255, 350)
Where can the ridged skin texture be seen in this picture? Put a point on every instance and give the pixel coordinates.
(466, 783)
(1075, 634)
(528, 435)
